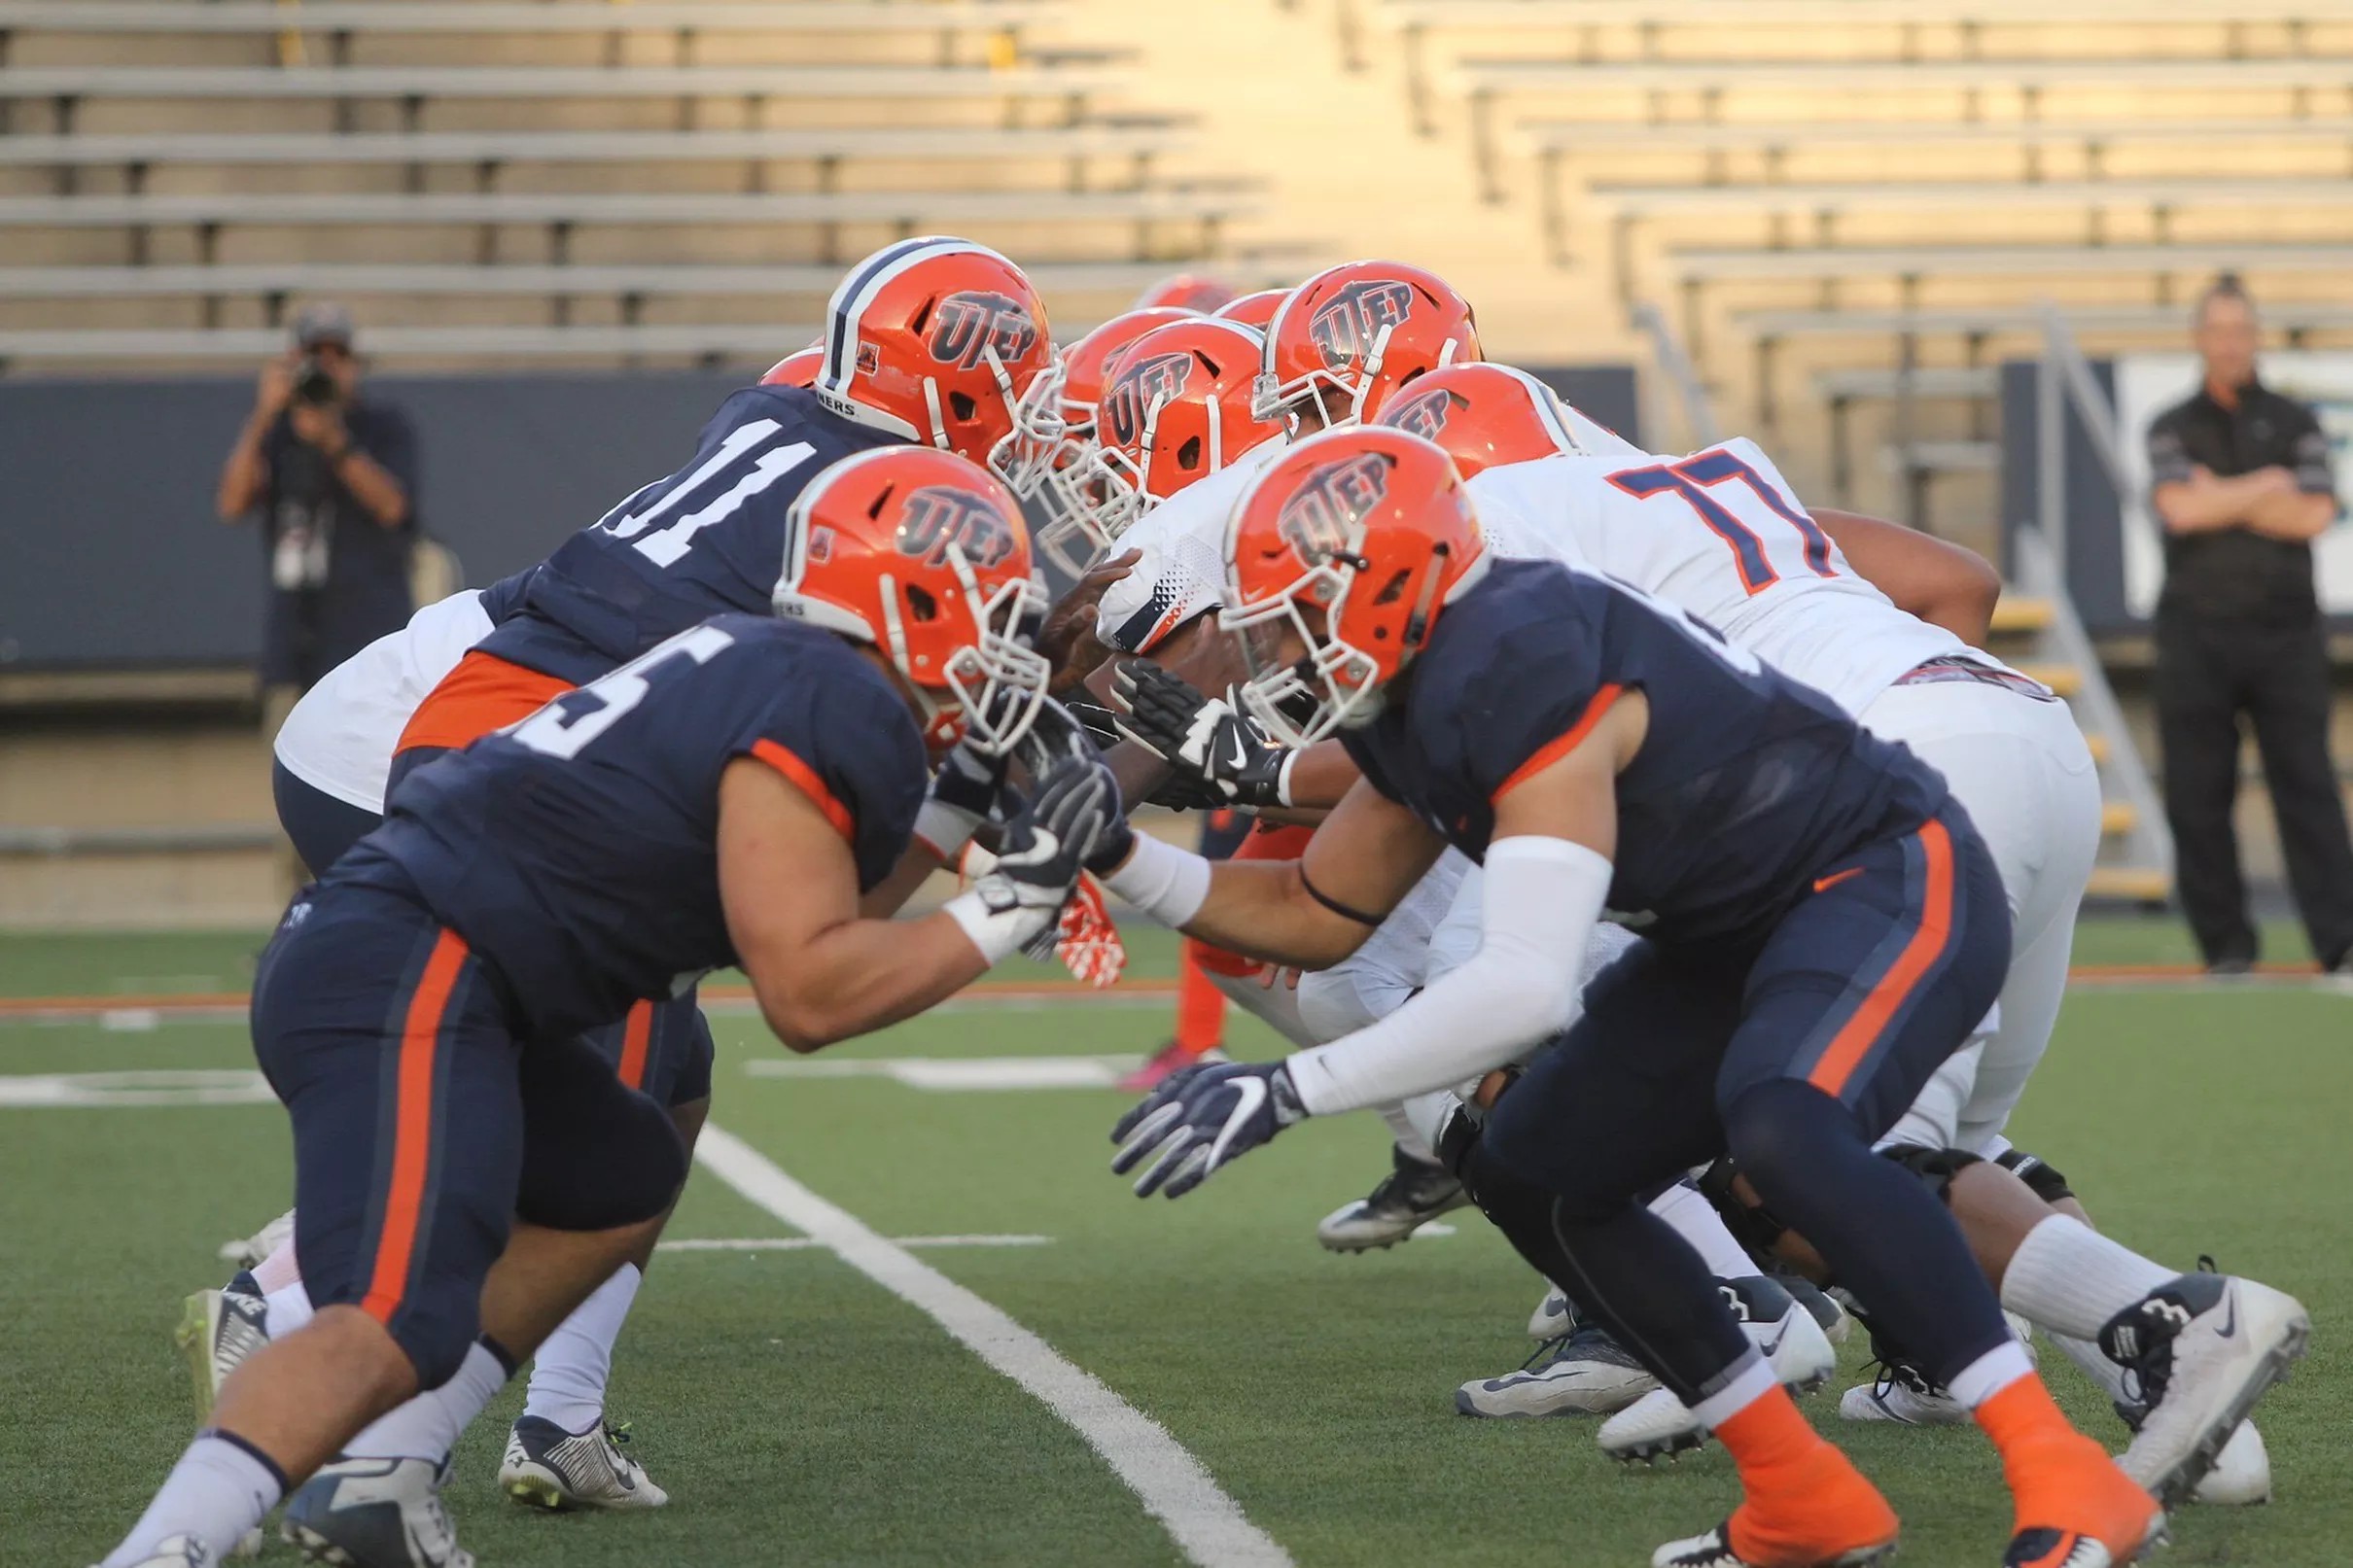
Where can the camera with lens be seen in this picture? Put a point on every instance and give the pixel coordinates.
(314, 384)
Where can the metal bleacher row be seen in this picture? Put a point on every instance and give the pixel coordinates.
(1827, 188)
(555, 179)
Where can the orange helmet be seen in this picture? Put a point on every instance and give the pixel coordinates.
(1339, 557)
(1178, 409)
(797, 368)
(1363, 329)
(1045, 456)
(1185, 288)
(924, 555)
(1484, 415)
(1254, 310)
(933, 339)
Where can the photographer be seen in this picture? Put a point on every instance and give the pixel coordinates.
(331, 476)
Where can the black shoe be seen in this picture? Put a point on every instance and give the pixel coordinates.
(2230, 968)
(1413, 1193)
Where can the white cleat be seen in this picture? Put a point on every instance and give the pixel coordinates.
(248, 1251)
(2206, 1347)
(1902, 1397)
(1583, 1372)
(551, 1468)
(218, 1330)
(177, 1552)
(2242, 1477)
(374, 1513)
(1790, 1341)
(1714, 1550)
(1552, 1317)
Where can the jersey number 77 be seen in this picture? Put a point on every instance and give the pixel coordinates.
(1695, 476)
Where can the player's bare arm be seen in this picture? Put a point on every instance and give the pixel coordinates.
(1943, 583)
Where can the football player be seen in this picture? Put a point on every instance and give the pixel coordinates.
(1823, 926)
(1720, 534)
(930, 341)
(745, 791)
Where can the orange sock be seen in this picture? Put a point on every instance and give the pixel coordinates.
(2061, 1479)
(1199, 1005)
(1805, 1503)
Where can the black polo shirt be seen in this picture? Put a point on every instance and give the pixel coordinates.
(2235, 572)
(365, 594)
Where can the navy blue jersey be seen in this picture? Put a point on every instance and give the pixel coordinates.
(702, 542)
(503, 600)
(1748, 784)
(576, 850)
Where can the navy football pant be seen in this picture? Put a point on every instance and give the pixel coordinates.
(1795, 1062)
(664, 1049)
(423, 1123)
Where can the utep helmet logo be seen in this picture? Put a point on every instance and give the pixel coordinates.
(1423, 414)
(1316, 521)
(970, 323)
(937, 516)
(1345, 327)
(1142, 388)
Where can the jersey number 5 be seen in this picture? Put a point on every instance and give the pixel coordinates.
(571, 722)
(1695, 476)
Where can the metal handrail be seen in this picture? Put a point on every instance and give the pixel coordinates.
(1670, 359)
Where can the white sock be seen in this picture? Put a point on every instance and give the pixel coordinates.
(1990, 1373)
(427, 1427)
(2068, 1279)
(1409, 1136)
(219, 1490)
(569, 1375)
(279, 1270)
(288, 1308)
(2087, 1354)
(1696, 1222)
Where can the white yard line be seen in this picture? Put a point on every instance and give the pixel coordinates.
(956, 1075)
(1207, 1525)
(804, 1244)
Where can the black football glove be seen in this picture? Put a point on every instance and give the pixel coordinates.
(1201, 1119)
(1047, 844)
(1201, 737)
(967, 790)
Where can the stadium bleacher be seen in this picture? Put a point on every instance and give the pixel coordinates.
(649, 176)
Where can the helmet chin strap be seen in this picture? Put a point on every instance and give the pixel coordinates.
(939, 424)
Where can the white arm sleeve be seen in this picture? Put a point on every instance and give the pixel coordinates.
(1542, 897)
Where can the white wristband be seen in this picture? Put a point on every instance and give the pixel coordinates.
(996, 932)
(1165, 882)
(947, 830)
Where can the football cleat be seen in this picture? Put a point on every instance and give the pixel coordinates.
(1903, 1396)
(551, 1468)
(2205, 1348)
(177, 1552)
(1413, 1192)
(218, 1330)
(1834, 1320)
(1714, 1550)
(1171, 1059)
(374, 1513)
(1582, 1373)
(248, 1251)
(1553, 1316)
(1784, 1333)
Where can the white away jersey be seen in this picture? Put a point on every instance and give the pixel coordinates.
(339, 738)
(1182, 570)
(1720, 534)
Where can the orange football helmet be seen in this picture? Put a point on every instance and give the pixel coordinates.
(924, 555)
(935, 339)
(1363, 330)
(1176, 409)
(797, 368)
(1339, 559)
(1484, 415)
(1254, 310)
(1046, 457)
(1187, 289)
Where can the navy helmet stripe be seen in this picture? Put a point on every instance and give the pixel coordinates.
(846, 298)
